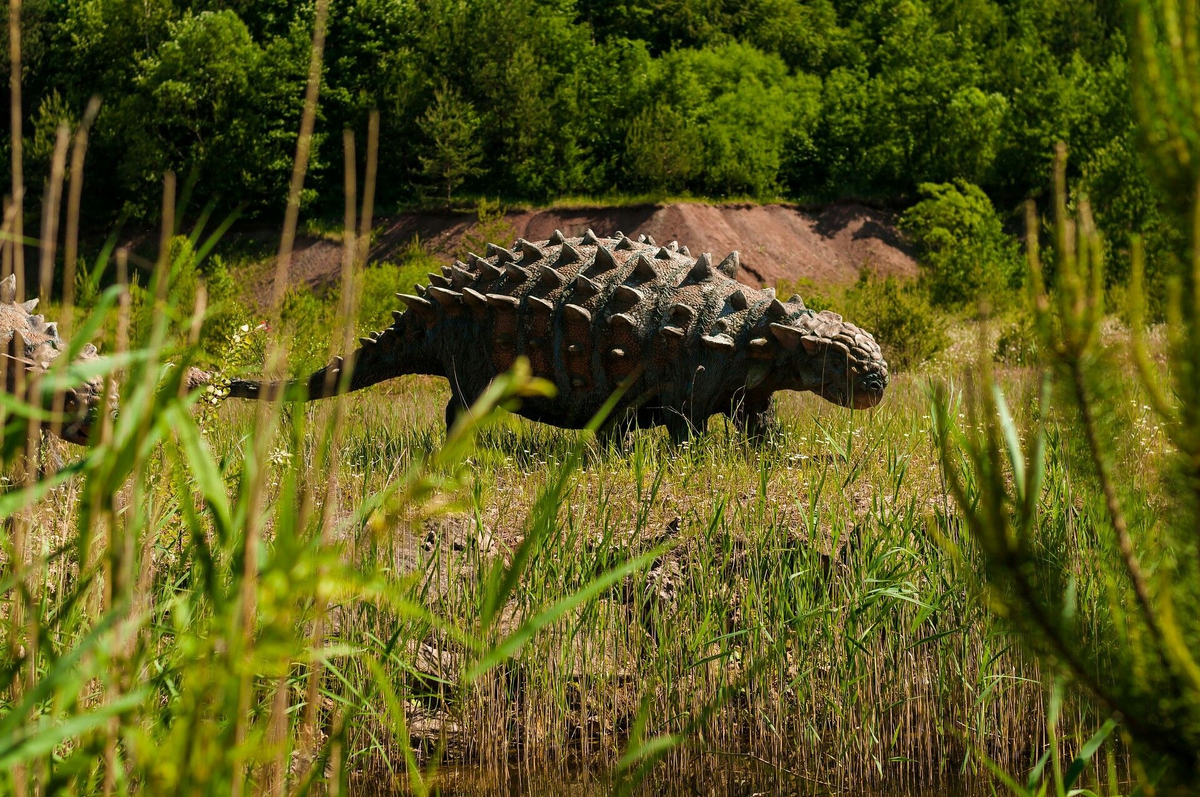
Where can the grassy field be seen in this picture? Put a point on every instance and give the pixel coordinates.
(224, 597)
(807, 610)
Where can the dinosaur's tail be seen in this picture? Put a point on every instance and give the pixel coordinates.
(323, 383)
(378, 358)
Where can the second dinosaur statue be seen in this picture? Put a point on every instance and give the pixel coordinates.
(30, 346)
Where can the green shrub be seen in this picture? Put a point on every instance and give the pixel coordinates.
(1126, 202)
(183, 280)
(720, 121)
(308, 322)
(899, 315)
(1018, 342)
(814, 298)
(52, 112)
(381, 283)
(211, 101)
(663, 150)
(227, 313)
(452, 151)
(961, 245)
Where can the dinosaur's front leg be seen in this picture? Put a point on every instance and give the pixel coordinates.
(755, 417)
(455, 407)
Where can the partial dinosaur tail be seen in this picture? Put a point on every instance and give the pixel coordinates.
(322, 383)
(380, 357)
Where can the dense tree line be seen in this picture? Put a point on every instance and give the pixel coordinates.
(533, 99)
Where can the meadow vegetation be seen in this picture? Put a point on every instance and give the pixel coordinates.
(781, 608)
(801, 615)
(1133, 649)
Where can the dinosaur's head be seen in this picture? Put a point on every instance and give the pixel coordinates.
(29, 346)
(837, 361)
(81, 406)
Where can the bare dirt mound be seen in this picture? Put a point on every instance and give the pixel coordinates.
(776, 242)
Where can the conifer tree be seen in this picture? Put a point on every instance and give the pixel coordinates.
(452, 149)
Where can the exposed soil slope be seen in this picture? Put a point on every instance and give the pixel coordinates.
(776, 242)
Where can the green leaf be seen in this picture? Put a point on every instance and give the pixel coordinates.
(20, 497)
(204, 469)
(1004, 777)
(1012, 441)
(48, 734)
(655, 745)
(1035, 774)
(518, 638)
(1087, 751)
(64, 667)
(395, 709)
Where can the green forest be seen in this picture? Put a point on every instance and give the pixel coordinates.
(535, 100)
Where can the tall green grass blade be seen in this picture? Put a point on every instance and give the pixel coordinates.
(19, 498)
(64, 669)
(44, 736)
(203, 469)
(508, 646)
(1087, 752)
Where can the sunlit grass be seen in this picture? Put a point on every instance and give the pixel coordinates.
(824, 559)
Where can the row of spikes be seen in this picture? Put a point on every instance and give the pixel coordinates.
(533, 252)
(478, 269)
(530, 250)
(585, 288)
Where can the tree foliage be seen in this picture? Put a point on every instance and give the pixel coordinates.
(452, 152)
(664, 152)
(808, 99)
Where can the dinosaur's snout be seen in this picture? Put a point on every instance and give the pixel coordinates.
(81, 410)
(860, 393)
(869, 391)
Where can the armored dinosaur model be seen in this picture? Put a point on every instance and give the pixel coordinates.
(684, 337)
(29, 345)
